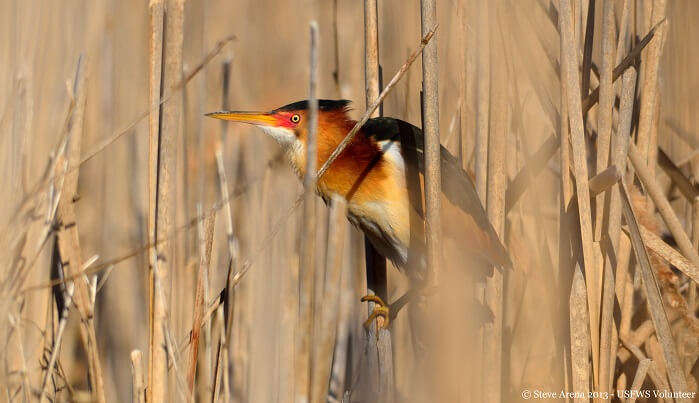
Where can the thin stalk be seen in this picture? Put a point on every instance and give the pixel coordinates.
(307, 264)
(165, 197)
(611, 233)
(371, 53)
(155, 72)
(378, 356)
(63, 321)
(650, 81)
(497, 177)
(326, 327)
(200, 295)
(606, 105)
(587, 47)
(430, 125)
(577, 136)
(483, 107)
(604, 132)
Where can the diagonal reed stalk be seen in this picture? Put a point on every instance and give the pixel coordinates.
(367, 114)
(654, 299)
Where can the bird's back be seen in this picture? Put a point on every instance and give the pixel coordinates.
(464, 218)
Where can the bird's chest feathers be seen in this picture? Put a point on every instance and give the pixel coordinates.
(376, 192)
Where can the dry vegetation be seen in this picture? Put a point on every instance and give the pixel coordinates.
(152, 254)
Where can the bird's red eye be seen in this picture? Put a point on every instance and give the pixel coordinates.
(295, 118)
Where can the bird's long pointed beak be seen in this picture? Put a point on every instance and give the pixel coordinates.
(253, 118)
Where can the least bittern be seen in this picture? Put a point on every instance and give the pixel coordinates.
(380, 176)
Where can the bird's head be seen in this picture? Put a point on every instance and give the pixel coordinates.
(288, 125)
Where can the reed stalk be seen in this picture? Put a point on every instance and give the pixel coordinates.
(308, 238)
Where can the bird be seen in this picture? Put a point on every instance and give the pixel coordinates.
(380, 175)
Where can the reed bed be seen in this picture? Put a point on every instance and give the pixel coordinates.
(150, 253)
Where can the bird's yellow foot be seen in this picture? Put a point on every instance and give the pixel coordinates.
(381, 312)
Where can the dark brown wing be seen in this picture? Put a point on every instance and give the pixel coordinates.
(457, 185)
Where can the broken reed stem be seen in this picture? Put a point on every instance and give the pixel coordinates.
(138, 393)
(367, 115)
(326, 327)
(653, 297)
(430, 125)
(577, 137)
(496, 187)
(307, 264)
(156, 52)
(604, 180)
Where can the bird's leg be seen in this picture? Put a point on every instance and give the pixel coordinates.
(381, 312)
(388, 312)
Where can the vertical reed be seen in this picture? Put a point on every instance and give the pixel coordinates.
(430, 126)
(496, 190)
(307, 264)
(577, 138)
(604, 128)
(156, 354)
